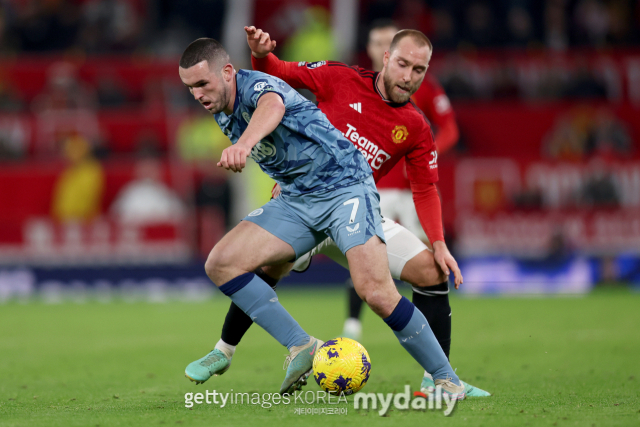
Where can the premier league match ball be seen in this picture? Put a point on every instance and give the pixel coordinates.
(341, 365)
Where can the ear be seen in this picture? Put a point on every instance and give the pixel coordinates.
(227, 72)
(385, 58)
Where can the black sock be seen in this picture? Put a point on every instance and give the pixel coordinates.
(270, 280)
(237, 323)
(433, 302)
(355, 302)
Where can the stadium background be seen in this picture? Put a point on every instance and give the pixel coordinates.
(106, 177)
(110, 200)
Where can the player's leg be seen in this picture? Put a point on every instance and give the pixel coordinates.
(407, 247)
(362, 241)
(236, 324)
(373, 283)
(412, 261)
(230, 266)
(430, 284)
(389, 207)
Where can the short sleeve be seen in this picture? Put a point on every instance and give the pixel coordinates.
(258, 84)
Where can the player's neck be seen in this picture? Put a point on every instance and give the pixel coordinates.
(380, 86)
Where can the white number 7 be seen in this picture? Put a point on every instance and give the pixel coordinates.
(356, 203)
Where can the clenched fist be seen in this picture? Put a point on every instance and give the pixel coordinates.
(235, 157)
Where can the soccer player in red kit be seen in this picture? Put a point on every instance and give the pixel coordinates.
(396, 198)
(375, 113)
(396, 201)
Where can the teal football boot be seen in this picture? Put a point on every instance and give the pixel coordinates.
(469, 390)
(473, 391)
(299, 363)
(214, 363)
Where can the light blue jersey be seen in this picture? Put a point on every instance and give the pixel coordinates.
(305, 153)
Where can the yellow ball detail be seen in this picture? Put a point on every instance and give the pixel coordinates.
(341, 365)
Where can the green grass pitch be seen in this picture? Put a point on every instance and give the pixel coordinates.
(549, 362)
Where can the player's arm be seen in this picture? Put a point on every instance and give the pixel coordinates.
(448, 134)
(268, 114)
(435, 104)
(422, 171)
(297, 75)
(428, 207)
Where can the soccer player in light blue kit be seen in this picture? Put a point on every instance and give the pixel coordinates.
(327, 190)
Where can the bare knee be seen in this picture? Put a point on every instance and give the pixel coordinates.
(218, 265)
(422, 271)
(381, 299)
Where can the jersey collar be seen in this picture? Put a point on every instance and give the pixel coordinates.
(376, 76)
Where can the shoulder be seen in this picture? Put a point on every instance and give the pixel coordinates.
(417, 116)
(248, 79)
(252, 85)
(418, 124)
(360, 73)
(335, 67)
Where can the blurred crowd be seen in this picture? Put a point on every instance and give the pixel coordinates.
(553, 24)
(159, 27)
(85, 115)
(570, 76)
(163, 26)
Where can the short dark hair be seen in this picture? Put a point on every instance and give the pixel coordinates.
(416, 35)
(204, 49)
(379, 24)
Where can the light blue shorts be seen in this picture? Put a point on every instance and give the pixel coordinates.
(349, 215)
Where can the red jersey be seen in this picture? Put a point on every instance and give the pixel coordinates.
(383, 131)
(433, 101)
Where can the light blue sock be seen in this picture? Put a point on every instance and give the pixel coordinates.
(259, 301)
(415, 335)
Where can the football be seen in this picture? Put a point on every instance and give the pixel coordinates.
(341, 365)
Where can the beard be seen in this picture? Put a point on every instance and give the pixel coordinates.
(391, 89)
(220, 102)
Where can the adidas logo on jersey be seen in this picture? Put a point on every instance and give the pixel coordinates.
(357, 106)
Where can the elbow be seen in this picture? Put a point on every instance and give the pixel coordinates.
(277, 107)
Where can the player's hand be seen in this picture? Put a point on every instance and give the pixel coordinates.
(275, 191)
(259, 42)
(235, 157)
(447, 262)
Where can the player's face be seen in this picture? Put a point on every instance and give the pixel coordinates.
(404, 69)
(208, 87)
(379, 42)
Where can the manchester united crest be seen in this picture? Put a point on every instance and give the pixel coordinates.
(399, 134)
